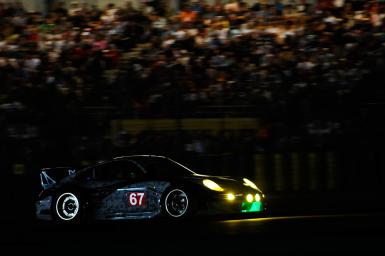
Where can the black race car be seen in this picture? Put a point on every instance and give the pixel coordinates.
(140, 187)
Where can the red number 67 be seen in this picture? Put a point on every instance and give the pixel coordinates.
(136, 198)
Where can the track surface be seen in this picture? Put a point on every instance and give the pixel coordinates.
(315, 234)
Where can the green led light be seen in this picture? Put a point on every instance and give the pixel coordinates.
(251, 207)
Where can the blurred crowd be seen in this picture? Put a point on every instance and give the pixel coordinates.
(207, 54)
(288, 60)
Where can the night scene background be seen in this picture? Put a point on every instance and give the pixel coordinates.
(287, 93)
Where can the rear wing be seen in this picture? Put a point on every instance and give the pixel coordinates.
(50, 176)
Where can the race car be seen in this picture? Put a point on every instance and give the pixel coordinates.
(141, 187)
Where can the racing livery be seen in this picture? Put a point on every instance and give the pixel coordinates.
(139, 187)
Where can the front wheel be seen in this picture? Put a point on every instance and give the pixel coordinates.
(67, 207)
(176, 203)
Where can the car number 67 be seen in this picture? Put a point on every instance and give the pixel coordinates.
(136, 198)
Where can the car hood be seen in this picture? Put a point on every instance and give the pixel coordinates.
(228, 183)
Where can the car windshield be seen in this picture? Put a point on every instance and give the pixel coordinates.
(165, 167)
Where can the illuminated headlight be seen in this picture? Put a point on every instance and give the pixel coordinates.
(230, 196)
(212, 185)
(249, 183)
(257, 198)
(249, 198)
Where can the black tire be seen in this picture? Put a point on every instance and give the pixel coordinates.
(67, 207)
(177, 203)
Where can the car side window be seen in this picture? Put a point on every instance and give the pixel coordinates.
(159, 169)
(165, 169)
(118, 171)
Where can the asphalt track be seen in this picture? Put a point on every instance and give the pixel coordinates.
(362, 233)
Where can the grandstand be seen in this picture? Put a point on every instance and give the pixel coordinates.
(84, 82)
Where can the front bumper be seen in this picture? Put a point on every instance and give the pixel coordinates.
(222, 205)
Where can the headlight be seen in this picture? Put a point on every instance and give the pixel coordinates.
(249, 198)
(230, 196)
(257, 198)
(212, 185)
(249, 183)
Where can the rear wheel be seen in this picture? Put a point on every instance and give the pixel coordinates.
(176, 203)
(67, 207)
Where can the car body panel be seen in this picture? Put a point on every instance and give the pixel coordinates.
(116, 205)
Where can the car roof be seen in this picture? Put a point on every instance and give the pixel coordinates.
(130, 157)
(137, 157)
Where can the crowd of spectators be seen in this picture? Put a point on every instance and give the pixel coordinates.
(219, 54)
(289, 61)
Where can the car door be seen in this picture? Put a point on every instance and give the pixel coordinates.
(121, 188)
